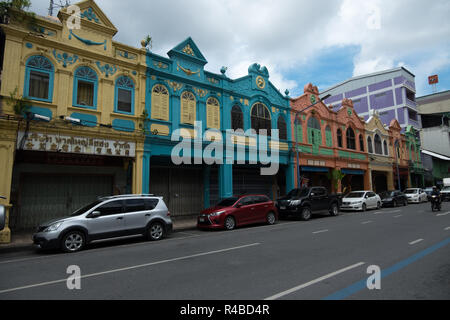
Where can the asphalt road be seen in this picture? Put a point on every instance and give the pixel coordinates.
(325, 258)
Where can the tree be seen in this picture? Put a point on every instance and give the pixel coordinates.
(335, 176)
(15, 10)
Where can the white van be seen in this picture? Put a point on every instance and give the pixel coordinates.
(445, 192)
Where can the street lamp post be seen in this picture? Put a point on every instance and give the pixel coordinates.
(297, 115)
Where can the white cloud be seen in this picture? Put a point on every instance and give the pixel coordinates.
(288, 35)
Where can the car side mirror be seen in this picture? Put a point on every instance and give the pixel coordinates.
(95, 214)
(2, 217)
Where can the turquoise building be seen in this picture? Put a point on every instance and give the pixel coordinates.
(183, 97)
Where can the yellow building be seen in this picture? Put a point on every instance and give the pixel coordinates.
(80, 136)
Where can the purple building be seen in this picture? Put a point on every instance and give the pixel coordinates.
(392, 93)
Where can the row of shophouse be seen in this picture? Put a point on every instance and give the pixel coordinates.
(112, 111)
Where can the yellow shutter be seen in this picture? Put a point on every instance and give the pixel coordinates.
(160, 103)
(165, 107)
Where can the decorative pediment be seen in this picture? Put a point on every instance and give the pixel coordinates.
(92, 16)
(188, 50)
(395, 125)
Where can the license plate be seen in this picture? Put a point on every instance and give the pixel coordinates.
(202, 219)
(283, 208)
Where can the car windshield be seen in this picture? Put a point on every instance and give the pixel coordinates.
(409, 191)
(227, 202)
(387, 194)
(447, 188)
(297, 193)
(355, 195)
(429, 190)
(85, 208)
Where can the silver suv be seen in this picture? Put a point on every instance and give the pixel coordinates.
(107, 218)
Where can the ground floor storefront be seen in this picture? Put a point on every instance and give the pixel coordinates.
(50, 171)
(382, 177)
(194, 185)
(401, 177)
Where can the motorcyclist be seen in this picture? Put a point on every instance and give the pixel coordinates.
(436, 192)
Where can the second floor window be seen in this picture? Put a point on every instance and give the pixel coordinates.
(160, 103)
(282, 128)
(85, 88)
(378, 147)
(237, 118)
(339, 138)
(261, 119)
(188, 108)
(351, 143)
(213, 113)
(124, 95)
(39, 79)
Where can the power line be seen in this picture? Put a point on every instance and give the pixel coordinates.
(57, 5)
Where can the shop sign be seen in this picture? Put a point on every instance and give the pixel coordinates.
(81, 145)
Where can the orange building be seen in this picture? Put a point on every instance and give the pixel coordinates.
(329, 144)
(400, 156)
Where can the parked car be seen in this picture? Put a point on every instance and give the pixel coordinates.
(428, 191)
(393, 198)
(238, 211)
(304, 202)
(361, 200)
(416, 195)
(106, 218)
(445, 192)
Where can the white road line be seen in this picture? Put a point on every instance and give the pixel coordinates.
(131, 267)
(442, 214)
(416, 241)
(321, 231)
(398, 216)
(366, 222)
(446, 229)
(302, 286)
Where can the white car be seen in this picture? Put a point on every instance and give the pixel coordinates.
(416, 195)
(361, 200)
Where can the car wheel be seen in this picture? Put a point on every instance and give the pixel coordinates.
(405, 203)
(363, 207)
(378, 205)
(73, 241)
(230, 223)
(334, 211)
(395, 203)
(271, 218)
(156, 231)
(306, 214)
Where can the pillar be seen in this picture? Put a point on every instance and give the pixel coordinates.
(368, 179)
(7, 148)
(225, 181)
(291, 175)
(146, 156)
(137, 168)
(390, 180)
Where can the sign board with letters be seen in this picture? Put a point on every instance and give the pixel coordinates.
(78, 145)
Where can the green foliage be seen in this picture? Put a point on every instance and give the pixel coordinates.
(335, 176)
(15, 10)
(18, 103)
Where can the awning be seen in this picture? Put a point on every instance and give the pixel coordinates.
(349, 171)
(436, 155)
(314, 169)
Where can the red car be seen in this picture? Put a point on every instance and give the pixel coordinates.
(238, 211)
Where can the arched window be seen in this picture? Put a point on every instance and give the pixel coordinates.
(124, 95)
(314, 132)
(39, 75)
(369, 144)
(85, 88)
(261, 119)
(188, 108)
(282, 128)
(339, 138)
(299, 128)
(361, 143)
(160, 103)
(237, 118)
(328, 137)
(213, 113)
(351, 143)
(397, 147)
(385, 147)
(378, 147)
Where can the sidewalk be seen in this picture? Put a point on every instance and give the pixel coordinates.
(23, 240)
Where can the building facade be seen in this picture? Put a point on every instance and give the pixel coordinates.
(329, 143)
(78, 137)
(391, 93)
(185, 101)
(435, 136)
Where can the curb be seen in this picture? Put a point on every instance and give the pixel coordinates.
(12, 247)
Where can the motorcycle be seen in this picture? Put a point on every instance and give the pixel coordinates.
(435, 203)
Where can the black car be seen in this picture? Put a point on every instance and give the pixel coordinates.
(304, 202)
(393, 198)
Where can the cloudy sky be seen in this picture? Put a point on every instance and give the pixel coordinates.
(320, 41)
